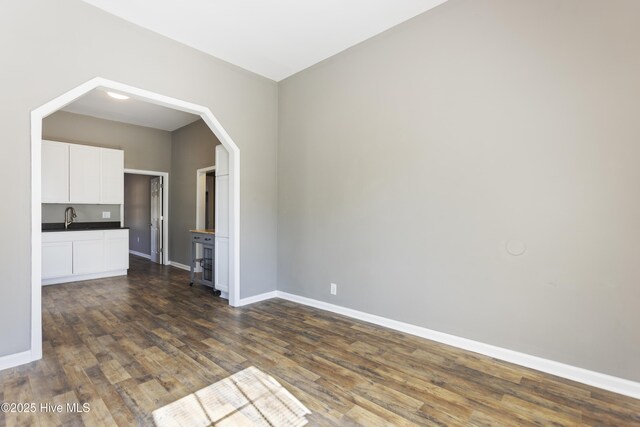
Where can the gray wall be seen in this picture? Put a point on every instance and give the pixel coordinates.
(52, 47)
(193, 148)
(407, 162)
(145, 148)
(54, 212)
(137, 211)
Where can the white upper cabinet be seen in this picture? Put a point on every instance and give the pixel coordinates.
(222, 160)
(73, 173)
(222, 206)
(84, 174)
(55, 172)
(112, 185)
(222, 192)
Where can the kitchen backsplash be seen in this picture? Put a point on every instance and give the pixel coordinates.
(86, 213)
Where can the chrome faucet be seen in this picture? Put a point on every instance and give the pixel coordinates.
(69, 215)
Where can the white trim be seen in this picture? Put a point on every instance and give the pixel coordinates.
(179, 265)
(257, 298)
(36, 186)
(165, 208)
(83, 277)
(140, 254)
(234, 209)
(585, 376)
(36, 233)
(16, 359)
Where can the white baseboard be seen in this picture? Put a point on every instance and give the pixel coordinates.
(180, 266)
(82, 277)
(257, 298)
(140, 254)
(585, 376)
(11, 360)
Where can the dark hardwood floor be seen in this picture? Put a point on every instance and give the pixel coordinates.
(130, 345)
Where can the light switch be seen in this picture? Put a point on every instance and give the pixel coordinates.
(106, 215)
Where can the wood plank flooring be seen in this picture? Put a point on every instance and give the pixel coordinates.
(127, 346)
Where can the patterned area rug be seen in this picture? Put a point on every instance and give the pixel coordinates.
(246, 398)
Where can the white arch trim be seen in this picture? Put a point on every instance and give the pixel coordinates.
(36, 191)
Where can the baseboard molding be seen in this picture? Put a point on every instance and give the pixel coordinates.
(180, 266)
(16, 359)
(140, 254)
(83, 277)
(585, 376)
(257, 298)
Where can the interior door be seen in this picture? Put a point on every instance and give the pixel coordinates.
(156, 219)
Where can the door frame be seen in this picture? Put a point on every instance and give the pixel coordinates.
(165, 208)
(200, 218)
(68, 97)
(200, 188)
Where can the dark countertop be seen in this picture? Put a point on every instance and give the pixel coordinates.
(82, 226)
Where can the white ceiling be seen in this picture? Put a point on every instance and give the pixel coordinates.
(274, 38)
(98, 104)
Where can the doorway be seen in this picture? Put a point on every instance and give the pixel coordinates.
(233, 261)
(209, 201)
(205, 204)
(146, 213)
(156, 219)
(205, 198)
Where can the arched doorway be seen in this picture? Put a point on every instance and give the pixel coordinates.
(36, 191)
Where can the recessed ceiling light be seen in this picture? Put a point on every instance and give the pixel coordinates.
(117, 96)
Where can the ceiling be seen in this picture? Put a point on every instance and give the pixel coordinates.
(133, 111)
(273, 38)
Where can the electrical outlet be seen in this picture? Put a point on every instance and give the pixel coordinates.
(106, 215)
(138, 239)
(334, 289)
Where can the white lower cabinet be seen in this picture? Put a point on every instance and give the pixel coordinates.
(70, 256)
(88, 256)
(57, 259)
(116, 250)
(221, 264)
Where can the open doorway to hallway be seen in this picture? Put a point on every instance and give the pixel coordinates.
(144, 196)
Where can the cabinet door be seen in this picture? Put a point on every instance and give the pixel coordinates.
(112, 176)
(55, 172)
(57, 259)
(84, 174)
(222, 160)
(222, 206)
(222, 264)
(116, 250)
(88, 256)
